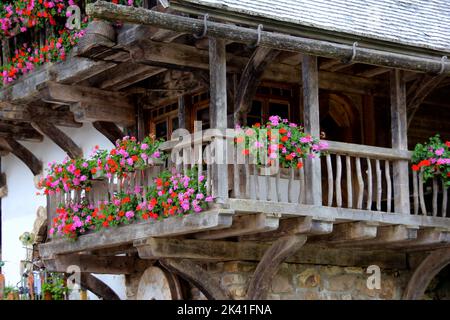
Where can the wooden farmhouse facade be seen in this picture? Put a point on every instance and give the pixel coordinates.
(366, 80)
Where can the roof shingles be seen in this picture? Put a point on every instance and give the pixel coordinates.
(420, 23)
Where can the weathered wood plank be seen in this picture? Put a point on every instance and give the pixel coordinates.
(96, 264)
(291, 226)
(311, 119)
(363, 151)
(218, 113)
(208, 220)
(219, 250)
(243, 225)
(399, 130)
(344, 214)
(345, 232)
(389, 235)
(105, 10)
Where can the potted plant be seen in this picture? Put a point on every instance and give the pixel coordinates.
(433, 159)
(54, 288)
(10, 293)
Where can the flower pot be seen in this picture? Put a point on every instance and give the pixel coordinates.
(48, 295)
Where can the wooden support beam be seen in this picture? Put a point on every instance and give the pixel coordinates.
(250, 79)
(218, 115)
(97, 287)
(20, 131)
(373, 72)
(293, 226)
(88, 112)
(110, 130)
(427, 238)
(26, 113)
(399, 130)
(387, 235)
(179, 56)
(348, 232)
(279, 41)
(219, 250)
(243, 225)
(419, 91)
(174, 226)
(27, 157)
(280, 250)
(96, 264)
(59, 138)
(425, 272)
(53, 92)
(310, 79)
(199, 277)
(291, 210)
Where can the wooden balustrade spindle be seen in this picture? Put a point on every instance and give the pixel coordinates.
(330, 180)
(421, 197)
(369, 184)
(338, 181)
(387, 172)
(435, 196)
(301, 172)
(360, 183)
(247, 178)
(290, 184)
(277, 185)
(379, 185)
(415, 192)
(348, 170)
(444, 199)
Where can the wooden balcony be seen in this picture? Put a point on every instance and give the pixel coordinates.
(358, 206)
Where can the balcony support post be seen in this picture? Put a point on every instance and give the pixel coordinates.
(310, 80)
(399, 129)
(218, 115)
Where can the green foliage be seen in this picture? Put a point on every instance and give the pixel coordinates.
(433, 159)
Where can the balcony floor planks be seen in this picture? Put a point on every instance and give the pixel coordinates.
(342, 214)
(209, 220)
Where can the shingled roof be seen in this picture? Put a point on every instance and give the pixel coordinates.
(419, 23)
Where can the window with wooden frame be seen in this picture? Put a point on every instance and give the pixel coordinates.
(272, 99)
(164, 120)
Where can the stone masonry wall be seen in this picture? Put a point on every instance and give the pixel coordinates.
(312, 282)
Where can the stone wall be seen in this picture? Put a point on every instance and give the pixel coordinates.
(312, 282)
(314, 273)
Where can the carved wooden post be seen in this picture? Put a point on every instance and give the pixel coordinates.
(399, 141)
(218, 114)
(310, 78)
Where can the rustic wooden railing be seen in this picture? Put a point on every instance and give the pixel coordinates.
(353, 176)
(431, 197)
(360, 177)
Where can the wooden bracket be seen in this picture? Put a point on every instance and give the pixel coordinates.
(60, 138)
(198, 276)
(250, 79)
(98, 287)
(109, 129)
(425, 272)
(270, 263)
(27, 157)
